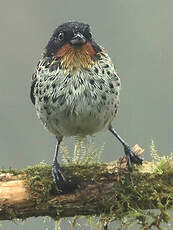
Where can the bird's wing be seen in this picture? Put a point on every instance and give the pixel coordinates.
(33, 82)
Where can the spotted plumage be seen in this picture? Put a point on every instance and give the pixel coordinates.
(75, 88)
(68, 101)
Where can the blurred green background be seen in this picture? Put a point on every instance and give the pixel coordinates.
(138, 35)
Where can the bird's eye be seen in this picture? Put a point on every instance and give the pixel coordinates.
(89, 35)
(61, 36)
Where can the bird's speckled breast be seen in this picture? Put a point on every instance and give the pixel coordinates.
(79, 103)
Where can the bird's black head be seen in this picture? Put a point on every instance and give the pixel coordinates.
(76, 34)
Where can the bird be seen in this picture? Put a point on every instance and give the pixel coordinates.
(75, 89)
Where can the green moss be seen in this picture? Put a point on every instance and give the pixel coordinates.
(135, 195)
(138, 194)
(144, 192)
(39, 180)
(14, 172)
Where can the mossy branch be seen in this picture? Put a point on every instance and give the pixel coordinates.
(102, 189)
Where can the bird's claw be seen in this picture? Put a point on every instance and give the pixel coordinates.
(58, 176)
(132, 157)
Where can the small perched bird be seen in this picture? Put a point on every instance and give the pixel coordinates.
(75, 89)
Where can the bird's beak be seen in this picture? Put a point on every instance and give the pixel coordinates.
(78, 39)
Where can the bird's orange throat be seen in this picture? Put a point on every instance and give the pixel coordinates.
(73, 58)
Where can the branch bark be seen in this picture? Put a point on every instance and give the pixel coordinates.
(101, 188)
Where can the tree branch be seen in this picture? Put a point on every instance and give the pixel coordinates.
(101, 188)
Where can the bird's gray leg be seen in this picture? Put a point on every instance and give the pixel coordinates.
(58, 177)
(131, 156)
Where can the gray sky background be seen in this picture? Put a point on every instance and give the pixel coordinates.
(138, 36)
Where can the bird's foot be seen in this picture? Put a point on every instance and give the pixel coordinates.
(132, 157)
(58, 176)
(62, 184)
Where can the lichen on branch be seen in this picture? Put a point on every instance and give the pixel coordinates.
(107, 190)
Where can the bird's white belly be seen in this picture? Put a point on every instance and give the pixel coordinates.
(82, 107)
(85, 122)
